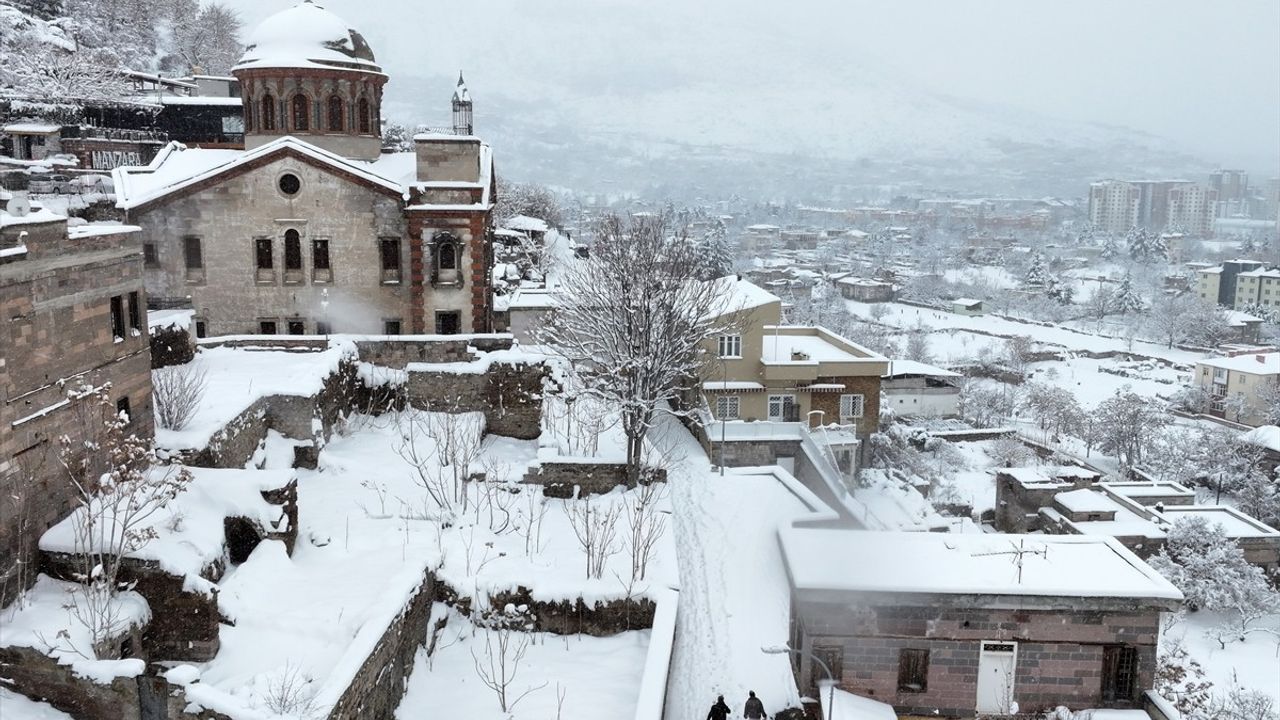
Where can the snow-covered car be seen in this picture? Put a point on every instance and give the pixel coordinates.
(47, 184)
(86, 184)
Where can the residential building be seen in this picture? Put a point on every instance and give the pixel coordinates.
(1258, 289)
(953, 625)
(913, 388)
(1241, 388)
(765, 371)
(865, 289)
(1192, 209)
(1218, 284)
(1113, 206)
(74, 312)
(312, 229)
(1232, 187)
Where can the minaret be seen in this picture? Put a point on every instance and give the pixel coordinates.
(461, 108)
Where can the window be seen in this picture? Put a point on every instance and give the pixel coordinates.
(448, 322)
(292, 256)
(362, 116)
(322, 327)
(122, 408)
(297, 327)
(117, 317)
(289, 184)
(730, 346)
(263, 260)
(150, 258)
(389, 249)
(782, 408)
(201, 330)
(913, 670)
(267, 327)
(193, 256)
(1119, 674)
(335, 113)
(135, 313)
(727, 407)
(390, 327)
(851, 407)
(268, 117)
(301, 113)
(320, 261)
(449, 257)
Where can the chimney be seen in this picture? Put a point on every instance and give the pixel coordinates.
(1260, 358)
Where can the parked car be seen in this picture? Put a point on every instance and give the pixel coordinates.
(48, 184)
(86, 184)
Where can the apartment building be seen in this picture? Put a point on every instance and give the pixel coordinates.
(1242, 388)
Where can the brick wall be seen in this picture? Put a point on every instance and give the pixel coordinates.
(1059, 652)
(829, 402)
(57, 335)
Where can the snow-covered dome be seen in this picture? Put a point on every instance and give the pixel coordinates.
(307, 35)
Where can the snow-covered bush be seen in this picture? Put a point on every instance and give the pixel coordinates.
(1210, 569)
(176, 392)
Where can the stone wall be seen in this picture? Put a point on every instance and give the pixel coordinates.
(1059, 652)
(559, 479)
(576, 617)
(38, 676)
(509, 395)
(376, 689)
(396, 352)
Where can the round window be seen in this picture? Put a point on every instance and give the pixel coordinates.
(290, 184)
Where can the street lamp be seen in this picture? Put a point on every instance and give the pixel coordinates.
(784, 650)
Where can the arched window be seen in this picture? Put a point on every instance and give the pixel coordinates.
(448, 256)
(362, 116)
(268, 112)
(301, 114)
(335, 113)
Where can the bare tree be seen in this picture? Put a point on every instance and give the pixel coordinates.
(645, 525)
(176, 392)
(635, 317)
(506, 640)
(596, 530)
(440, 448)
(119, 485)
(290, 692)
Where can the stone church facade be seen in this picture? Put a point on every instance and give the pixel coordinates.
(312, 229)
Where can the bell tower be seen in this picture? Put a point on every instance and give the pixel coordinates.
(462, 108)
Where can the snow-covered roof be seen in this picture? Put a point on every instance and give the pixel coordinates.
(532, 299)
(1234, 523)
(1086, 501)
(526, 223)
(782, 349)
(967, 302)
(1262, 273)
(740, 294)
(177, 167)
(31, 128)
(1053, 474)
(460, 93)
(1267, 436)
(306, 35)
(1254, 363)
(723, 385)
(912, 367)
(949, 564)
(201, 100)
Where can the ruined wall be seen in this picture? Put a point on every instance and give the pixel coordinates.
(559, 479)
(509, 395)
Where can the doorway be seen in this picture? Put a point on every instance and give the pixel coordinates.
(997, 668)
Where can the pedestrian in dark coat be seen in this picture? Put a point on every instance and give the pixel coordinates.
(754, 709)
(719, 711)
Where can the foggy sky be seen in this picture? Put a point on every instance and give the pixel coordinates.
(1206, 76)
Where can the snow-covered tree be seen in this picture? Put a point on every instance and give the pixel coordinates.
(1110, 247)
(715, 259)
(1101, 303)
(986, 404)
(918, 346)
(1146, 246)
(1171, 318)
(206, 40)
(535, 201)
(1126, 299)
(41, 70)
(1037, 273)
(1127, 423)
(634, 318)
(1210, 569)
(1055, 409)
(1061, 291)
(396, 138)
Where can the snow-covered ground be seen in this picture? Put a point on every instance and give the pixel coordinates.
(18, 707)
(559, 676)
(1253, 664)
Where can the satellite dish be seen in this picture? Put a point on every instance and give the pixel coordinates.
(18, 206)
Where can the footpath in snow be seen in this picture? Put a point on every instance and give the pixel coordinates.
(733, 587)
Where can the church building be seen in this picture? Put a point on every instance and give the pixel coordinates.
(312, 229)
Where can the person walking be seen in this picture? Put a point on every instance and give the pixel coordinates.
(754, 709)
(719, 711)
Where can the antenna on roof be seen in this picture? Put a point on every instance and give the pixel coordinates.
(1018, 552)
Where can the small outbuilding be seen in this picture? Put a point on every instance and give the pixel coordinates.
(967, 306)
